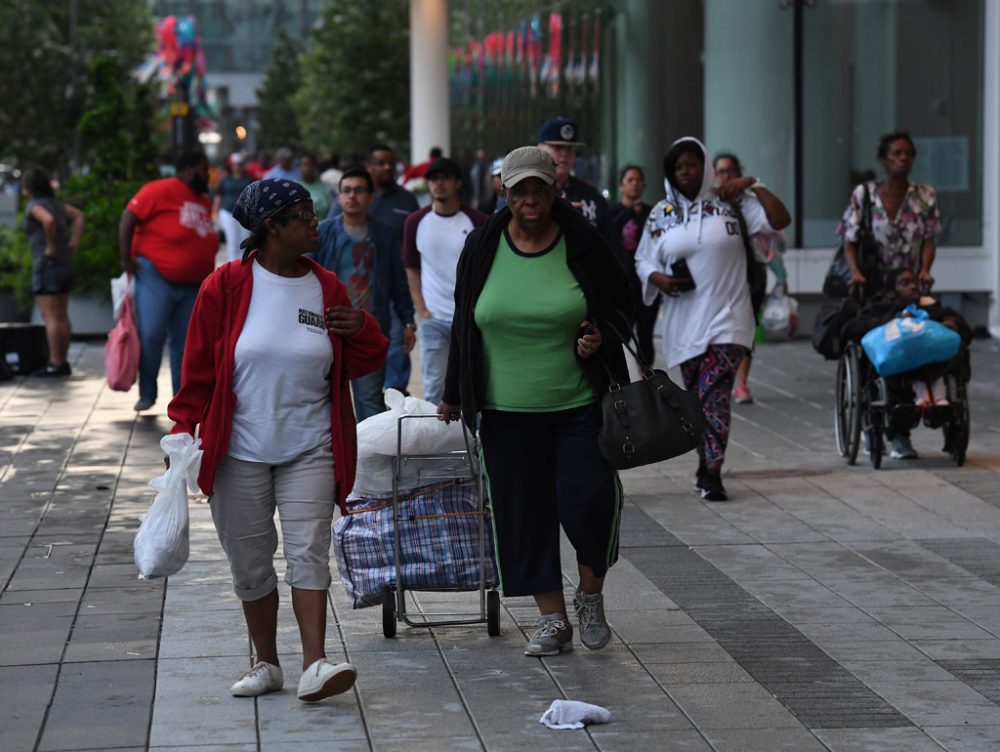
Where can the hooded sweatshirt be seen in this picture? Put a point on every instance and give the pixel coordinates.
(705, 233)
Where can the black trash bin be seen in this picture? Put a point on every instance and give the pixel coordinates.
(24, 347)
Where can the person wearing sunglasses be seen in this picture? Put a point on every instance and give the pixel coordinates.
(265, 385)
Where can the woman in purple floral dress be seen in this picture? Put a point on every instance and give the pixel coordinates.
(904, 215)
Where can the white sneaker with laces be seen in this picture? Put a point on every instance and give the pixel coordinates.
(324, 679)
(259, 680)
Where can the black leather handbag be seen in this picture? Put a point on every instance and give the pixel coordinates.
(649, 420)
(837, 283)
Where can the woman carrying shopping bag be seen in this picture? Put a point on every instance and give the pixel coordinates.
(271, 350)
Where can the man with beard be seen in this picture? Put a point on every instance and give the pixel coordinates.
(166, 239)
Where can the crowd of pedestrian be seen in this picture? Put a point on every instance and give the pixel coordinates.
(517, 281)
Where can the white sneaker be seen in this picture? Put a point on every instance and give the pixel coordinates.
(262, 678)
(324, 679)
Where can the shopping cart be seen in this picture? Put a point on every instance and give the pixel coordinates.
(422, 471)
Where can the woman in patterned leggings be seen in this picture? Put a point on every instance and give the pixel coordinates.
(692, 254)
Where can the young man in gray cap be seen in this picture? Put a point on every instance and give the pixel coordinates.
(539, 297)
(558, 137)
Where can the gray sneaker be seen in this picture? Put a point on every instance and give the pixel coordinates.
(902, 449)
(594, 630)
(553, 636)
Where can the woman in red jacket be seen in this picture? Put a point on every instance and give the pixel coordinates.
(272, 346)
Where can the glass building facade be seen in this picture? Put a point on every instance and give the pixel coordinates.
(800, 89)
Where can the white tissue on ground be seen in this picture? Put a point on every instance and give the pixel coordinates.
(572, 714)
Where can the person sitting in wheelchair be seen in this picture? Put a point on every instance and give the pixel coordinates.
(921, 392)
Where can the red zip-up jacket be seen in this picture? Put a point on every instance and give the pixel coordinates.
(206, 400)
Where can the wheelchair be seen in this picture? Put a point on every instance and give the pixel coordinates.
(863, 407)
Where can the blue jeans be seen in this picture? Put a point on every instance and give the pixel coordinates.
(369, 399)
(397, 362)
(162, 313)
(435, 340)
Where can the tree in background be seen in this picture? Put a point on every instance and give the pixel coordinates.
(279, 124)
(355, 78)
(47, 50)
(118, 131)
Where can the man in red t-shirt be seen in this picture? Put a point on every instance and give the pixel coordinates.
(167, 240)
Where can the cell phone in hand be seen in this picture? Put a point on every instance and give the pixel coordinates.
(679, 270)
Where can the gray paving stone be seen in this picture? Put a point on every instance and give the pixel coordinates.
(109, 637)
(40, 642)
(608, 739)
(877, 740)
(732, 706)
(25, 692)
(939, 703)
(698, 673)
(100, 704)
(194, 706)
(764, 740)
(966, 738)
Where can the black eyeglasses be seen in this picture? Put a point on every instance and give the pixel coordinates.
(357, 190)
(306, 215)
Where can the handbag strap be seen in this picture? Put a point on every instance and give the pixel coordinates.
(866, 212)
(627, 343)
(745, 237)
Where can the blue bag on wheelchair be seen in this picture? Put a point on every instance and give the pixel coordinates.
(909, 342)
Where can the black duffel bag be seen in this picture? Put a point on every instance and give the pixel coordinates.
(827, 336)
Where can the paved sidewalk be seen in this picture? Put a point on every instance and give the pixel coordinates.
(822, 608)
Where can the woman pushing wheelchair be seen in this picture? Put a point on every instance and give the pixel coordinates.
(925, 392)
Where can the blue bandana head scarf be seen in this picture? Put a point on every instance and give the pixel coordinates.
(263, 200)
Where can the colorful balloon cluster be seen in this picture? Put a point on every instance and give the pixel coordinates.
(181, 63)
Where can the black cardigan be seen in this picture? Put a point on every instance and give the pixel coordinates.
(602, 278)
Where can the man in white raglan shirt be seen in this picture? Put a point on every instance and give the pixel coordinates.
(433, 239)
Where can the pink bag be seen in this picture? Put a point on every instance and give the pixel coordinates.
(121, 353)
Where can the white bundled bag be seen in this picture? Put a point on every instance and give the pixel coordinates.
(121, 286)
(379, 433)
(378, 441)
(161, 545)
(780, 317)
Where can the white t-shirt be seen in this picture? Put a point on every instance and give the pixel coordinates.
(706, 234)
(282, 371)
(440, 241)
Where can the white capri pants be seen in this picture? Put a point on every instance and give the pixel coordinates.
(243, 503)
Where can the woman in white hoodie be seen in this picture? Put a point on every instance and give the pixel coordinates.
(693, 255)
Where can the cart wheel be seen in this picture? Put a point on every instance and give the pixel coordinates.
(389, 612)
(493, 613)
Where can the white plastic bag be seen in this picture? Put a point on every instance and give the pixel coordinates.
(378, 434)
(122, 285)
(161, 544)
(780, 317)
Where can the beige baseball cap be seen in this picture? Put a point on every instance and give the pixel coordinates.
(527, 162)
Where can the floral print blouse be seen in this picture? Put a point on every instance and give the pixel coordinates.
(902, 238)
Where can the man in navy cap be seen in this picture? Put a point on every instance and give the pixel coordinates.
(558, 137)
